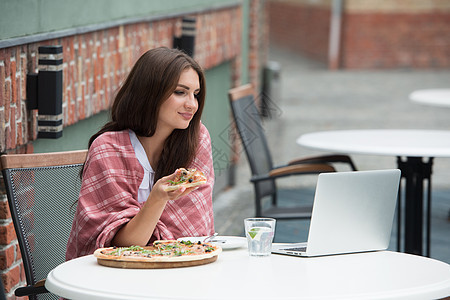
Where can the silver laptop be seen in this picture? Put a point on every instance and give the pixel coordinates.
(352, 212)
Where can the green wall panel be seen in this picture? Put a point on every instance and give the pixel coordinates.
(74, 137)
(216, 115)
(27, 17)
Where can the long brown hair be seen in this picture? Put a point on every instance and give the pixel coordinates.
(151, 81)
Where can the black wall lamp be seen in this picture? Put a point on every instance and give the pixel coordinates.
(186, 41)
(44, 92)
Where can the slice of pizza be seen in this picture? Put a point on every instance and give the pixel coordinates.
(186, 178)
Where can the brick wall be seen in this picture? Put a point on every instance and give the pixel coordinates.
(94, 65)
(374, 34)
(392, 40)
(300, 27)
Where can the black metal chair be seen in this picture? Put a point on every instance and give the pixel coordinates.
(42, 192)
(264, 175)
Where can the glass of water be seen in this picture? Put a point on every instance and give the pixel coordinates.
(259, 233)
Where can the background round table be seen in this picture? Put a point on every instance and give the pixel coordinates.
(434, 97)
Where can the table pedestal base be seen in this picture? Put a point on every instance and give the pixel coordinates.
(415, 171)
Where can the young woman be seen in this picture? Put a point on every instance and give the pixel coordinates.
(155, 128)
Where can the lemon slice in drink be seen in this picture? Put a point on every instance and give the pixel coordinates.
(256, 232)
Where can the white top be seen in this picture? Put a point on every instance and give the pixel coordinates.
(149, 174)
(393, 142)
(235, 275)
(436, 97)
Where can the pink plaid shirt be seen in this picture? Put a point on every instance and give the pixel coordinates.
(109, 196)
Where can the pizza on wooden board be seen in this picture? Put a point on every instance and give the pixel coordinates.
(186, 178)
(162, 254)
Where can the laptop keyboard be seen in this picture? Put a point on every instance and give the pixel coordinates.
(299, 249)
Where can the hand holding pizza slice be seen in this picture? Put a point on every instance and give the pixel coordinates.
(186, 178)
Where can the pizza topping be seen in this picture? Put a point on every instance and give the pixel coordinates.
(187, 175)
(180, 177)
(187, 178)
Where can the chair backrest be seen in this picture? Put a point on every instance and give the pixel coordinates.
(42, 192)
(248, 124)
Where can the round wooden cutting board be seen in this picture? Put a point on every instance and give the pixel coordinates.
(154, 265)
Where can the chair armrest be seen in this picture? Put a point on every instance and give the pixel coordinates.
(37, 288)
(301, 169)
(336, 158)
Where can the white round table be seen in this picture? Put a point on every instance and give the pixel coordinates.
(435, 97)
(412, 144)
(235, 275)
